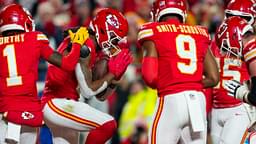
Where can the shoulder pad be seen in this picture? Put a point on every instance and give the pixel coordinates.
(36, 36)
(40, 36)
(148, 24)
(146, 30)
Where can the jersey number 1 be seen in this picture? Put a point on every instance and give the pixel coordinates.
(13, 79)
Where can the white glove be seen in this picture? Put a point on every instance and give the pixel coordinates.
(237, 90)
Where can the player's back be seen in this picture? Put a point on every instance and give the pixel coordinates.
(181, 50)
(19, 58)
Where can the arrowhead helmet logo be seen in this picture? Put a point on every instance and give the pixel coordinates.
(113, 21)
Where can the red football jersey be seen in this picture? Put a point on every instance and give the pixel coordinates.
(181, 51)
(60, 83)
(19, 58)
(229, 68)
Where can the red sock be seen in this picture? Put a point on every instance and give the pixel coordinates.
(101, 134)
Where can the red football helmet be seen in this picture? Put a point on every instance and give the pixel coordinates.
(229, 35)
(110, 28)
(243, 8)
(15, 17)
(163, 7)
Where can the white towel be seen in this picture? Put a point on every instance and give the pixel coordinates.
(195, 111)
(13, 132)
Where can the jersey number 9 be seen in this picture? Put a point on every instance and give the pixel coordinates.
(187, 54)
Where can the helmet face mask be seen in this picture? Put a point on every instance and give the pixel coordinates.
(110, 47)
(30, 24)
(229, 51)
(110, 27)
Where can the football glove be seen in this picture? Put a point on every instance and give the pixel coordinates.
(80, 36)
(117, 65)
(236, 89)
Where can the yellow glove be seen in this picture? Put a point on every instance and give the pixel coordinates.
(80, 36)
(71, 35)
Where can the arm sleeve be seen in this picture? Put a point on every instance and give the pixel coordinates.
(69, 61)
(85, 90)
(149, 71)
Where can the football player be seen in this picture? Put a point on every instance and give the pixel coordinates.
(109, 28)
(229, 113)
(176, 56)
(235, 38)
(20, 50)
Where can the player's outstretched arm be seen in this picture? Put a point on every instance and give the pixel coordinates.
(69, 61)
(211, 72)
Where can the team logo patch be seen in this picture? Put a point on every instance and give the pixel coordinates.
(113, 21)
(27, 115)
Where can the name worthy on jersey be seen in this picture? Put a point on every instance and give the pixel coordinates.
(12, 39)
